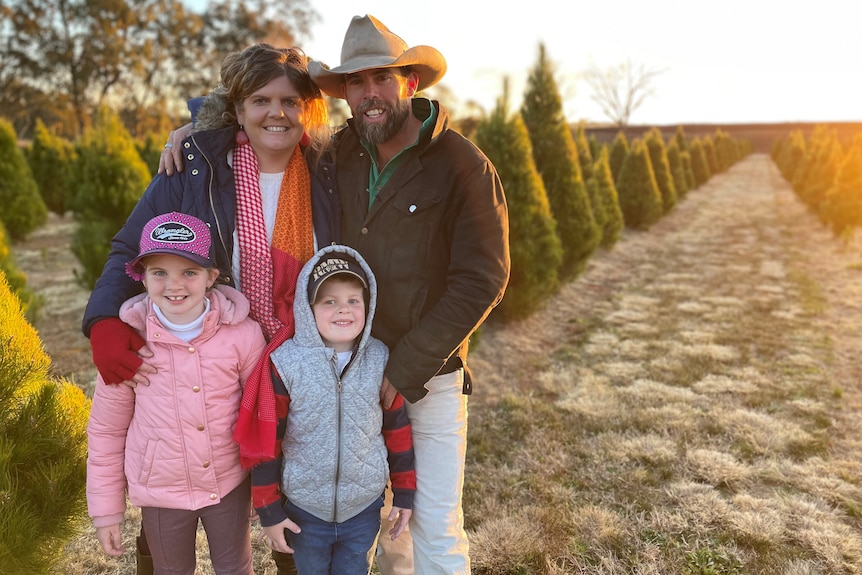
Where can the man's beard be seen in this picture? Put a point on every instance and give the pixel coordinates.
(377, 134)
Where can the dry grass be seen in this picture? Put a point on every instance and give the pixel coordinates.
(689, 405)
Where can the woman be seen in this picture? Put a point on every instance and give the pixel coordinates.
(255, 172)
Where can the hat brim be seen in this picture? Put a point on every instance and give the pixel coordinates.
(427, 62)
(136, 266)
(315, 287)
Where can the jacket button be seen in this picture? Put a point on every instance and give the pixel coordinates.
(201, 428)
(412, 208)
(213, 496)
(190, 157)
(191, 350)
(195, 172)
(206, 464)
(364, 231)
(196, 389)
(157, 335)
(187, 145)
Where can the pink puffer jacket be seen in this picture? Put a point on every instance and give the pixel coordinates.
(170, 443)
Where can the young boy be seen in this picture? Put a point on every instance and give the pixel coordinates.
(321, 496)
(169, 444)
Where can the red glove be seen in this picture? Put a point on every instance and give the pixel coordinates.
(115, 349)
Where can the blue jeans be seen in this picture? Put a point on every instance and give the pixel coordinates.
(327, 548)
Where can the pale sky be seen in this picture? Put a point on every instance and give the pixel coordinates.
(732, 61)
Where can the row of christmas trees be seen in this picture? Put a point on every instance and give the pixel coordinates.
(825, 174)
(568, 194)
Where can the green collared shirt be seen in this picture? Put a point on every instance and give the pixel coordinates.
(377, 178)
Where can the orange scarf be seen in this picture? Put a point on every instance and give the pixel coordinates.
(268, 278)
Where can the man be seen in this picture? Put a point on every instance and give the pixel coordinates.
(426, 210)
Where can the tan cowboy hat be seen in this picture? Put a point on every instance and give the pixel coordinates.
(369, 44)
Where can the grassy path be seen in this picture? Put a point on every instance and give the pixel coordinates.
(689, 405)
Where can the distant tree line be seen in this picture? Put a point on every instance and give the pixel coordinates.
(61, 60)
(826, 174)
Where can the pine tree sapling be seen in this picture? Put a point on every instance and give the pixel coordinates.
(710, 155)
(685, 159)
(639, 197)
(619, 151)
(30, 302)
(21, 207)
(43, 449)
(674, 161)
(605, 192)
(534, 245)
(52, 161)
(110, 176)
(699, 164)
(680, 139)
(661, 168)
(584, 154)
(558, 164)
(841, 207)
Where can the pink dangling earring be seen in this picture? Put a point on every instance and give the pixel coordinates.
(241, 137)
(304, 140)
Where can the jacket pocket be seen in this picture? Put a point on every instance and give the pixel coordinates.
(149, 461)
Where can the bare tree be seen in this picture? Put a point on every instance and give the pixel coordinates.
(621, 89)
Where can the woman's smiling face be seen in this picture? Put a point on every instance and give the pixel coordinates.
(273, 118)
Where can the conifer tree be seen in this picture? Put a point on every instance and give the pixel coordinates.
(43, 449)
(710, 155)
(604, 193)
(584, 154)
(806, 162)
(110, 176)
(534, 245)
(557, 162)
(685, 160)
(619, 151)
(17, 279)
(680, 139)
(822, 174)
(674, 161)
(52, 161)
(699, 164)
(639, 197)
(841, 207)
(725, 150)
(789, 155)
(21, 207)
(150, 151)
(661, 168)
(595, 147)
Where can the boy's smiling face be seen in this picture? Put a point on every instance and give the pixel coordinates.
(339, 311)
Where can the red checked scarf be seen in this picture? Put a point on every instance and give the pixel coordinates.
(268, 278)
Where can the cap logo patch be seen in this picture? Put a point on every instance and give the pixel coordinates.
(173, 232)
(328, 266)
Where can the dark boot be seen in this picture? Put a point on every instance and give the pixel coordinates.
(284, 563)
(142, 556)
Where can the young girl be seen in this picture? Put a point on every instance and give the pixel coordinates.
(169, 443)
